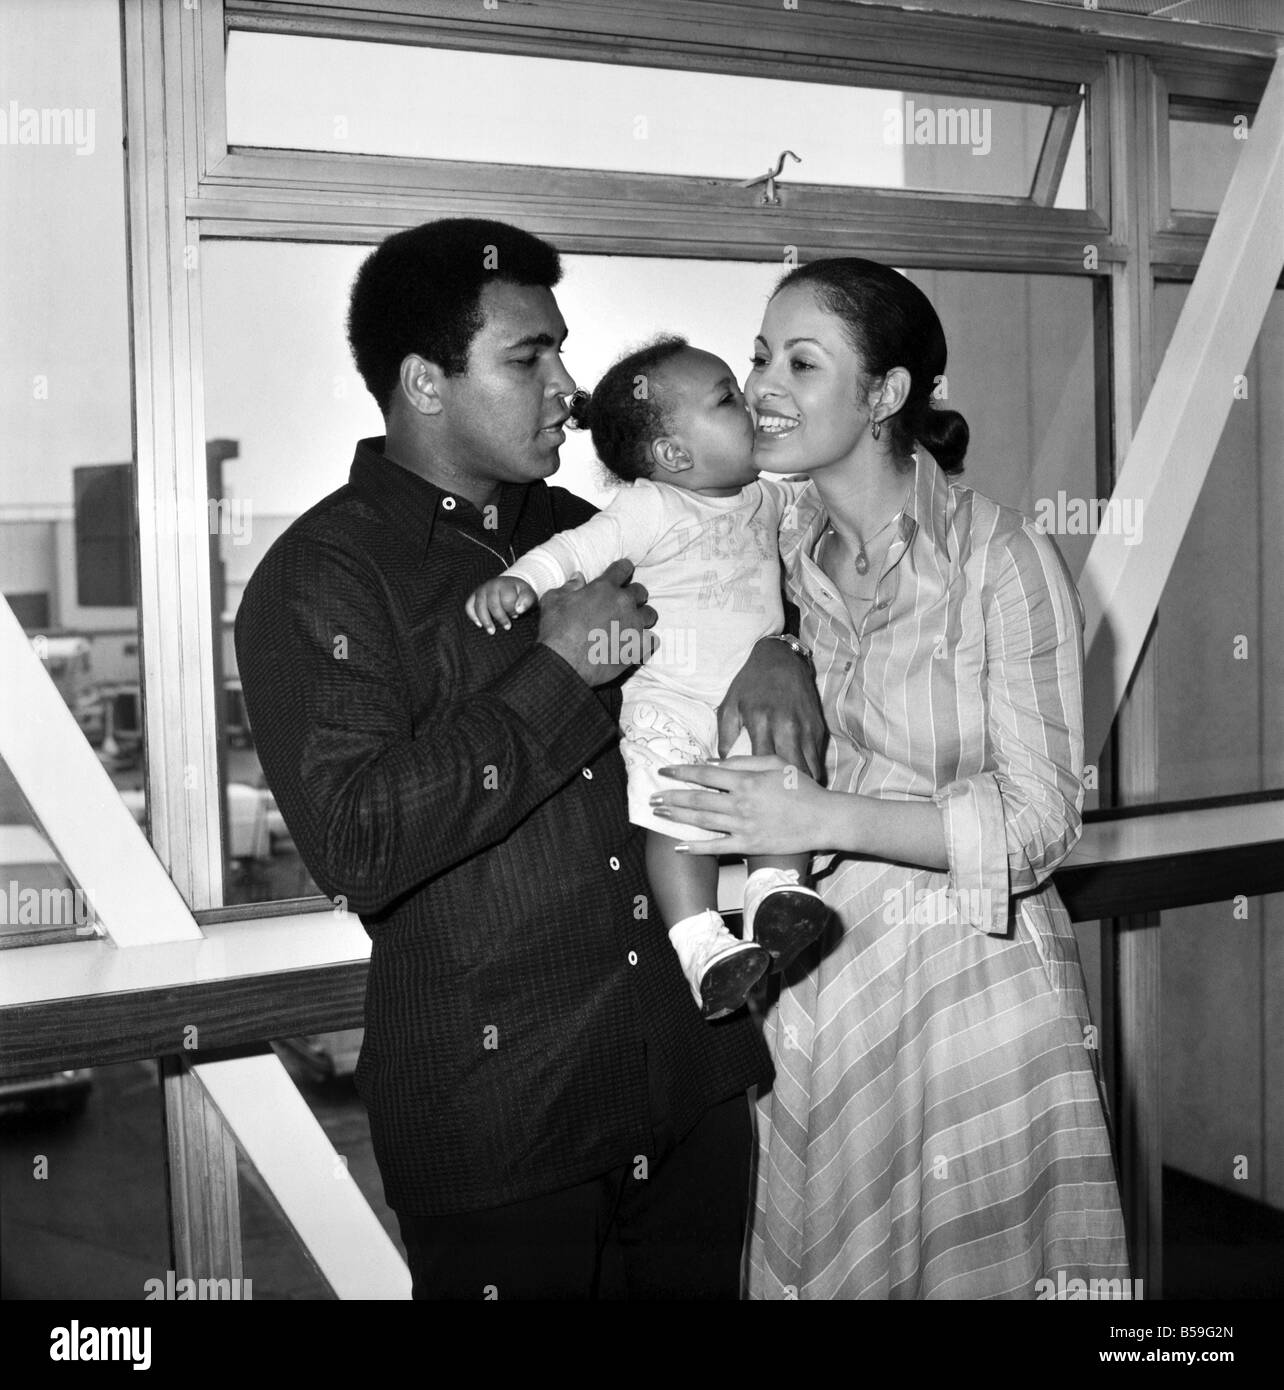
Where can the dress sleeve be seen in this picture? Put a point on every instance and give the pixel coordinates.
(1008, 828)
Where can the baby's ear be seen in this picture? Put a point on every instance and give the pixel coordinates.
(668, 455)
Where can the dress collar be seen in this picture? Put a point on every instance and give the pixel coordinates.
(926, 512)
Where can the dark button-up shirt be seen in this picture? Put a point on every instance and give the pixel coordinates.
(527, 1022)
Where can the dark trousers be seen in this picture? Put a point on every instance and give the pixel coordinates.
(670, 1228)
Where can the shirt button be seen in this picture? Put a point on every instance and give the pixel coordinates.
(633, 957)
(448, 504)
(588, 772)
(614, 863)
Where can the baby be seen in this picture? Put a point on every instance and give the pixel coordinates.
(701, 529)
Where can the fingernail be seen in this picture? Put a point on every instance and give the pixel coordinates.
(681, 849)
(655, 801)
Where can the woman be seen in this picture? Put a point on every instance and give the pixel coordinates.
(936, 1128)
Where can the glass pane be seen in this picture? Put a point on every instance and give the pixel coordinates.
(1221, 626)
(321, 1065)
(1072, 191)
(274, 1261)
(273, 316)
(290, 92)
(83, 1199)
(1021, 370)
(40, 902)
(68, 521)
(1201, 159)
(1223, 1138)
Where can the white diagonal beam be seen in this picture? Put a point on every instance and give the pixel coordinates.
(78, 806)
(1185, 413)
(289, 1150)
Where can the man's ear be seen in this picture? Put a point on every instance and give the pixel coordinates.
(669, 455)
(420, 382)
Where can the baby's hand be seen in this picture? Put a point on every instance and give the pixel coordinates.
(499, 600)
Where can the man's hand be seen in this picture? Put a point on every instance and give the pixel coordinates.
(774, 697)
(600, 628)
(498, 601)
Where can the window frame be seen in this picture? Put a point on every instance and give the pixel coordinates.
(184, 186)
(1180, 235)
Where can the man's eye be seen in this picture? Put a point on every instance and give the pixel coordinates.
(525, 361)
(758, 360)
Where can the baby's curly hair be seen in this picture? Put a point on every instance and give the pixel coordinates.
(626, 412)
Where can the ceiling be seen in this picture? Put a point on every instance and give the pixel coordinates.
(1264, 16)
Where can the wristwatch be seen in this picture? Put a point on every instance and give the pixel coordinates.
(794, 646)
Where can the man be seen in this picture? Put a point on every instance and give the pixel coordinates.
(550, 1114)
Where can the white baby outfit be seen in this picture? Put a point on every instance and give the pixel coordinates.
(711, 568)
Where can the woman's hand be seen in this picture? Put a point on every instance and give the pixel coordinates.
(762, 805)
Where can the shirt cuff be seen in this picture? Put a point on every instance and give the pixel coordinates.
(976, 844)
(541, 573)
(558, 707)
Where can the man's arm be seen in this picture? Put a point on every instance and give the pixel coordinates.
(375, 807)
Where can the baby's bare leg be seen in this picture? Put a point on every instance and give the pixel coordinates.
(719, 968)
(799, 863)
(683, 884)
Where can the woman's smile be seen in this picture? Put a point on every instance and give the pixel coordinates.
(771, 425)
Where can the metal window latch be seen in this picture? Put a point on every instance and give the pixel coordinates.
(769, 198)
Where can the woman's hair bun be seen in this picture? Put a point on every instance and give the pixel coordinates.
(580, 405)
(945, 435)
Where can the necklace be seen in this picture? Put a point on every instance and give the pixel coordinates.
(846, 593)
(512, 556)
(861, 562)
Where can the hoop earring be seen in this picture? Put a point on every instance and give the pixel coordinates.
(875, 428)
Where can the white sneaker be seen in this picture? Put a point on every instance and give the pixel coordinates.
(720, 968)
(781, 915)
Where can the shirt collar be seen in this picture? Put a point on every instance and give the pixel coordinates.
(926, 512)
(928, 507)
(414, 505)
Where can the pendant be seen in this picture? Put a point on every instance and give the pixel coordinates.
(861, 562)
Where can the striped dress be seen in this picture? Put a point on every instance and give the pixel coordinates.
(936, 1128)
